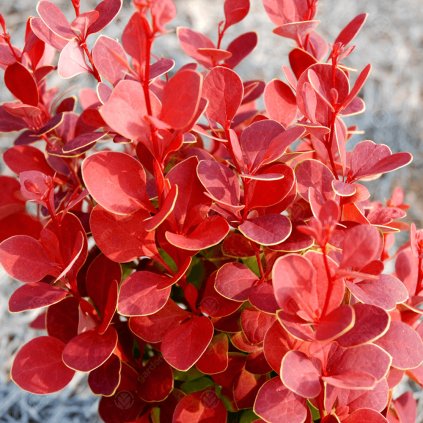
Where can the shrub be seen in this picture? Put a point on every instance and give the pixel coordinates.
(200, 257)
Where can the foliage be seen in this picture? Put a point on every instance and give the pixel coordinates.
(201, 258)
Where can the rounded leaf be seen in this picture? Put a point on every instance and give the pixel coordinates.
(204, 406)
(25, 259)
(35, 295)
(224, 91)
(116, 181)
(267, 230)
(140, 296)
(281, 103)
(183, 345)
(301, 374)
(90, 350)
(404, 345)
(277, 404)
(38, 366)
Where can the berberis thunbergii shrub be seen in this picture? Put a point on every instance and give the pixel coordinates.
(201, 258)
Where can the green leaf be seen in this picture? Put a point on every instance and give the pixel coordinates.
(155, 415)
(252, 264)
(197, 385)
(191, 374)
(196, 274)
(248, 416)
(314, 411)
(168, 260)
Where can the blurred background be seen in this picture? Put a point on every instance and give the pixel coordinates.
(392, 41)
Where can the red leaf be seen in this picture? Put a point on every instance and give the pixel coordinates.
(208, 233)
(277, 404)
(20, 82)
(386, 292)
(72, 60)
(359, 83)
(255, 141)
(191, 41)
(215, 358)
(281, 103)
(267, 230)
(192, 204)
(44, 33)
(154, 327)
(134, 37)
(79, 144)
(21, 158)
(356, 367)
(406, 407)
(365, 415)
(404, 345)
(125, 238)
(300, 61)
(314, 174)
(19, 224)
(163, 11)
(54, 18)
(9, 123)
(162, 66)
(36, 186)
(246, 387)
(156, 380)
(122, 405)
(62, 319)
(240, 48)
(215, 305)
(107, 11)
(165, 210)
(102, 284)
(220, 182)
(336, 323)
(38, 366)
(203, 406)
(234, 281)
(183, 345)
(272, 192)
(370, 323)
(235, 245)
(181, 98)
(255, 324)
(25, 259)
(110, 59)
(90, 350)
(116, 180)
(351, 30)
(224, 91)
(277, 343)
(371, 159)
(235, 11)
(35, 295)
(301, 374)
(362, 245)
(140, 296)
(292, 275)
(125, 110)
(104, 380)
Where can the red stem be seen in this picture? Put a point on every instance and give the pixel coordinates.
(6, 38)
(94, 70)
(419, 285)
(330, 281)
(260, 264)
(329, 145)
(158, 169)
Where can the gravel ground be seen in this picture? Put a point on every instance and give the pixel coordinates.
(392, 41)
